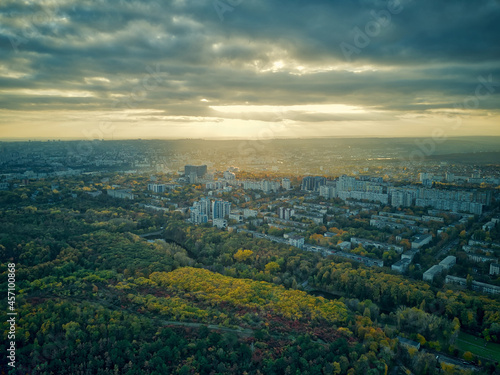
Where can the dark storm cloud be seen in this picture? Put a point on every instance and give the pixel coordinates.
(427, 56)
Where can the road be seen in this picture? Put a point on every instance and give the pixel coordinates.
(447, 248)
(157, 233)
(319, 249)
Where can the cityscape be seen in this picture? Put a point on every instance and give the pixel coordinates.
(431, 228)
(250, 187)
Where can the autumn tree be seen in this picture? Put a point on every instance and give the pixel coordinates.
(242, 255)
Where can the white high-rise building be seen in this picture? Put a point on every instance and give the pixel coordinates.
(156, 188)
(328, 191)
(220, 209)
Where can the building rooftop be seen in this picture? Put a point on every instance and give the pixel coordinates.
(434, 270)
(449, 260)
(421, 237)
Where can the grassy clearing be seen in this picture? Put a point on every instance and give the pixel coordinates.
(476, 346)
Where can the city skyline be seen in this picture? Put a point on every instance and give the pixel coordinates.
(248, 69)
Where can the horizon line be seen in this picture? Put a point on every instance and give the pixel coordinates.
(25, 139)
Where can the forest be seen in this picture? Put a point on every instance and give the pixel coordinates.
(94, 297)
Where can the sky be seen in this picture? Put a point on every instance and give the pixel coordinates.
(259, 69)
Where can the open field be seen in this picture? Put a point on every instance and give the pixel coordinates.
(477, 346)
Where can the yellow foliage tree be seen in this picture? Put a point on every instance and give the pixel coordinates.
(421, 339)
(448, 368)
(242, 255)
(272, 267)
(336, 368)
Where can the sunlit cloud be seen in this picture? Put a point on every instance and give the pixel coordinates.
(173, 69)
(312, 108)
(49, 92)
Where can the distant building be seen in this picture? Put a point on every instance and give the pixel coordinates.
(494, 269)
(344, 246)
(200, 211)
(481, 258)
(220, 223)
(196, 217)
(424, 176)
(120, 193)
(220, 209)
(475, 285)
(286, 184)
(448, 262)
(156, 188)
(249, 213)
(489, 226)
(401, 198)
(484, 243)
(297, 241)
(4, 186)
(229, 175)
(431, 272)
(401, 265)
(313, 183)
(410, 254)
(378, 245)
(236, 216)
(285, 213)
(198, 170)
(420, 240)
(328, 191)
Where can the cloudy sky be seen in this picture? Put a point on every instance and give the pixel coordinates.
(117, 69)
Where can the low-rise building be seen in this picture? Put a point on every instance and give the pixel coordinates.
(420, 240)
(220, 223)
(376, 244)
(474, 249)
(432, 272)
(120, 193)
(475, 285)
(448, 262)
(236, 216)
(401, 265)
(410, 254)
(344, 246)
(481, 258)
(494, 269)
(297, 241)
(249, 213)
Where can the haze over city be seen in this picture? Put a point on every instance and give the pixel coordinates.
(248, 69)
